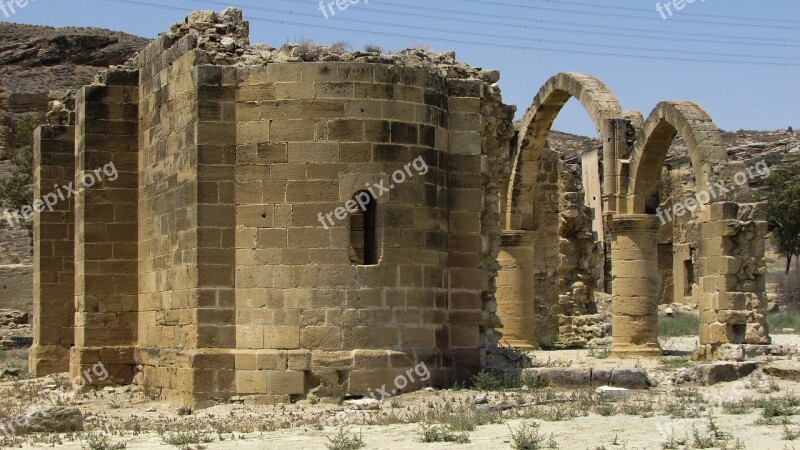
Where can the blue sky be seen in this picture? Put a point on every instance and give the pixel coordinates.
(748, 93)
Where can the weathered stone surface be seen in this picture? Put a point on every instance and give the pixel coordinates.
(574, 377)
(722, 372)
(629, 379)
(612, 392)
(10, 318)
(15, 286)
(58, 419)
(785, 369)
(740, 352)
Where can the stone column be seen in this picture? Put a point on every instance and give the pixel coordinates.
(106, 234)
(515, 304)
(53, 250)
(634, 275)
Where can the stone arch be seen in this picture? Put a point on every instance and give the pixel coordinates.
(634, 242)
(532, 195)
(706, 151)
(598, 101)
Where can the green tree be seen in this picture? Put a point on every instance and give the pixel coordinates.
(783, 210)
(15, 189)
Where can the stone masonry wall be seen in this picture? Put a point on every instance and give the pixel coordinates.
(169, 234)
(106, 251)
(227, 157)
(53, 253)
(310, 137)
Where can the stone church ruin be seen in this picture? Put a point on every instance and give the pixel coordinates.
(203, 269)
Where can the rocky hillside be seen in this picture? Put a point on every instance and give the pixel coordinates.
(38, 64)
(745, 146)
(37, 61)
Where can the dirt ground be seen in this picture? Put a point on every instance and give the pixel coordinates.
(726, 415)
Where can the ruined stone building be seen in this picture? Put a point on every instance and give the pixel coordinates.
(717, 261)
(229, 256)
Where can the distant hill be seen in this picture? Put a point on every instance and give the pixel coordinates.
(37, 61)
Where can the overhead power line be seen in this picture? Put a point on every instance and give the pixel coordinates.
(440, 39)
(505, 36)
(628, 8)
(631, 16)
(530, 20)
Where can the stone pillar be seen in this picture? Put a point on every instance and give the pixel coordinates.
(609, 165)
(515, 296)
(215, 313)
(634, 273)
(53, 250)
(106, 235)
(732, 268)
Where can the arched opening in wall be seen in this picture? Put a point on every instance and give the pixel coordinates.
(677, 234)
(581, 228)
(364, 230)
(573, 135)
(550, 229)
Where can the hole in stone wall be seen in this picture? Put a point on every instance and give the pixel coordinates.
(363, 232)
(739, 332)
(688, 274)
(688, 277)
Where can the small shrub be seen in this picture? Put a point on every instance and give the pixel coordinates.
(184, 439)
(789, 434)
(341, 47)
(784, 319)
(557, 412)
(682, 324)
(490, 381)
(371, 48)
(553, 363)
(184, 411)
(713, 437)
(81, 81)
(441, 433)
(528, 437)
(151, 392)
(99, 441)
(738, 408)
(643, 408)
(779, 407)
(606, 409)
(600, 353)
(533, 381)
(345, 441)
(673, 443)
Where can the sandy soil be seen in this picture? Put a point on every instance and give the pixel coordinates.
(641, 421)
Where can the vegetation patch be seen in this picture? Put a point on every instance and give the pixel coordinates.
(681, 324)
